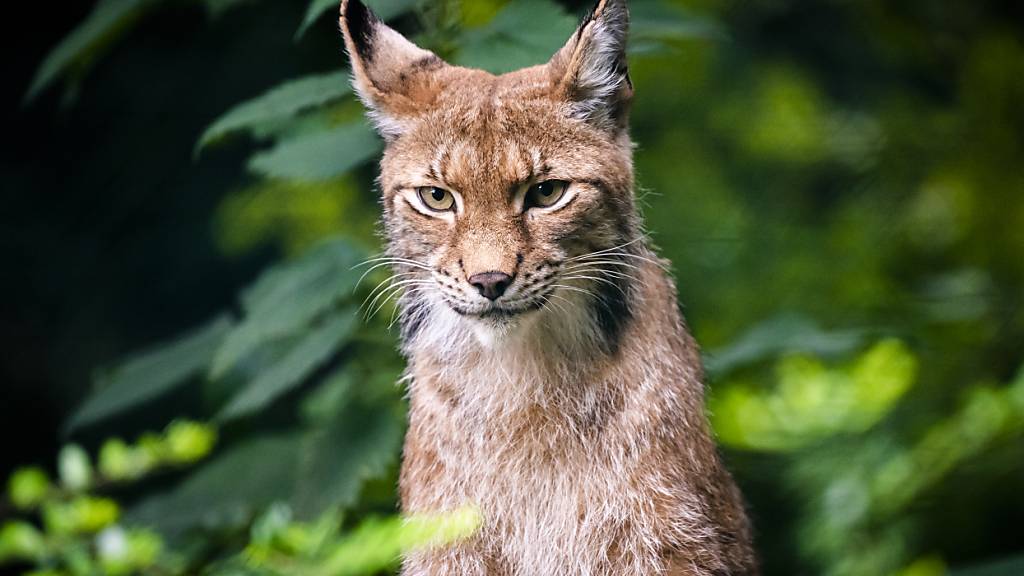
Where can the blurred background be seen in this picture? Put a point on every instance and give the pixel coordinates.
(195, 381)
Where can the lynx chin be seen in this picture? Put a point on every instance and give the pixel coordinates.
(552, 380)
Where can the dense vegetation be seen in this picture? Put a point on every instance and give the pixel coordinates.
(837, 184)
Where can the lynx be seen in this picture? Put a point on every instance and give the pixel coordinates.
(552, 382)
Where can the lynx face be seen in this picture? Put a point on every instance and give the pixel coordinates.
(506, 198)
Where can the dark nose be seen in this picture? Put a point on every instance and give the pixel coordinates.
(491, 285)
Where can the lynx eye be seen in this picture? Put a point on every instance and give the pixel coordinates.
(437, 199)
(546, 194)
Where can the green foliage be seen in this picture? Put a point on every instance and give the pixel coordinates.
(146, 376)
(825, 422)
(318, 155)
(288, 298)
(813, 402)
(28, 487)
(274, 109)
(81, 532)
(84, 534)
(309, 353)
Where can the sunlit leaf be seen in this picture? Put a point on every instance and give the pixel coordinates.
(288, 297)
(813, 402)
(378, 542)
(74, 467)
(385, 9)
(310, 352)
(278, 104)
(318, 155)
(28, 487)
(146, 376)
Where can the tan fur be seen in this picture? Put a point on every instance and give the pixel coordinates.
(574, 417)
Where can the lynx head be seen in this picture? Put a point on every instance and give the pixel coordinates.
(508, 200)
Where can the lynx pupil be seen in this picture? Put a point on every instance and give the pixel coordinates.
(546, 194)
(436, 199)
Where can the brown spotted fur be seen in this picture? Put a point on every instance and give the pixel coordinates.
(570, 410)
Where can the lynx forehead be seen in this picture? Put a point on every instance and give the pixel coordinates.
(552, 382)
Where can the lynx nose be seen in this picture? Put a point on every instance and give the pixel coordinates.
(491, 285)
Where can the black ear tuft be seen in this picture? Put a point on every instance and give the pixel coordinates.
(362, 25)
(591, 68)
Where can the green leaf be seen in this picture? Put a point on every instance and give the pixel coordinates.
(82, 515)
(311, 352)
(784, 334)
(28, 487)
(21, 541)
(283, 102)
(148, 375)
(228, 490)
(321, 155)
(377, 543)
(321, 405)
(813, 402)
(523, 33)
(108, 20)
(287, 298)
(74, 467)
(653, 22)
(186, 442)
(359, 445)
(385, 9)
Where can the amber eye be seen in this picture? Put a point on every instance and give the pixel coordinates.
(546, 194)
(435, 198)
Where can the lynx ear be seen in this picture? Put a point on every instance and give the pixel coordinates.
(590, 70)
(396, 79)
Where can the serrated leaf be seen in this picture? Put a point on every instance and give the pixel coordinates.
(287, 298)
(360, 444)
(318, 155)
(148, 375)
(384, 9)
(321, 405)
(228, 490)
(278, 104)
(108, 19)
(308, 354)
(523, 33)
